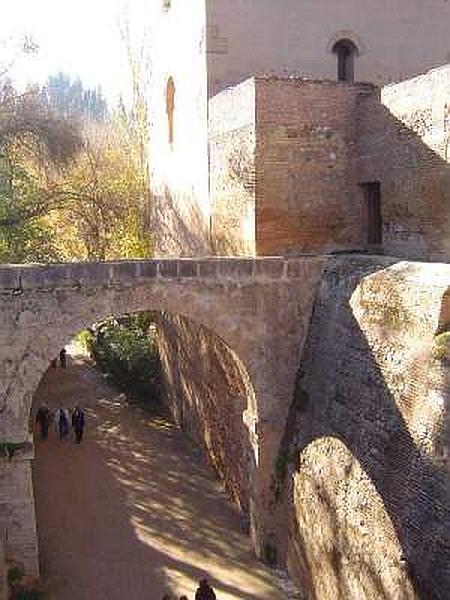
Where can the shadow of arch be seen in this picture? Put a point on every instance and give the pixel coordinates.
(344, 528)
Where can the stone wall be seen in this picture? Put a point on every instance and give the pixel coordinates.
(367, 487)
(290, 160)
(404, 144)
(17, 516)
(3, 571)
(209, 392)
(232, 170)
(395, 41)
(179, 168)
(43, 307)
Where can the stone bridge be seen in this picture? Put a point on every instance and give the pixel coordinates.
(260, 308)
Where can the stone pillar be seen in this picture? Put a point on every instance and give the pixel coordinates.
(17, 512)
(3, 571)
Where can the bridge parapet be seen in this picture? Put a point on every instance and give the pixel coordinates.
(40, 276)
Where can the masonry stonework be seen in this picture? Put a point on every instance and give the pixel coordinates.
(309, 149)
(403, 143)
(232, 162)
(368, 436)
(209, 394)
(43, 308)
(306, 197)
(218, 45)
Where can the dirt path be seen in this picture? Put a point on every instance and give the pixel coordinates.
(133, 513)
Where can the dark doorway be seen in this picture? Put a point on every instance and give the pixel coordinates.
(372, 210)
(346, 52)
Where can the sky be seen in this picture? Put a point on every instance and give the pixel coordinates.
(78, 37)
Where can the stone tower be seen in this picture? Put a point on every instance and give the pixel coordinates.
(202, 47)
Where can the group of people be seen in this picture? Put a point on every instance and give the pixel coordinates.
(204, 592)
(63, 420)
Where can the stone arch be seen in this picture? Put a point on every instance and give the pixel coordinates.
(40, 344)
(346, 34)
(260, 309)
(40, 347)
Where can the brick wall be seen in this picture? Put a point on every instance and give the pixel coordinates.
(369, 437)
(290, 158)
(306, 198)
(232, 170)
(403, 143)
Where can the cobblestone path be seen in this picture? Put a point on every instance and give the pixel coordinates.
(133, 512)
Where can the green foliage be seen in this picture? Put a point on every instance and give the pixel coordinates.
(441, 350)
(32, 594)
(73, 176)
(126, 349)
(15, 575)
(7, 449)
(85, 339)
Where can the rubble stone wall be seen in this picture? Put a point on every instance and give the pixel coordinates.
(209, 392)
(367, 487)
(232, 141)
(403, 142)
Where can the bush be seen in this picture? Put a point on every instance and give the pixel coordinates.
(441, 349)
(126, 349)
(32, 594)
(85, 339)
(15, 575)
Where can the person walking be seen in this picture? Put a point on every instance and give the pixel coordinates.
(43, 418)
(62, 422)
(78, 423)
(205, 591)
(63, 358)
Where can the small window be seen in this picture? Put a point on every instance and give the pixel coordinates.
(170, 107)
(346, 51)
(372, 209)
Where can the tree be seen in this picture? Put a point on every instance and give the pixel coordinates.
(102, 218)
(35, 145)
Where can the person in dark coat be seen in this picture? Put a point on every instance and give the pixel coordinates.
(43, 418)
(62, 422)
(78, 423)
(63, 358)
(205, 591)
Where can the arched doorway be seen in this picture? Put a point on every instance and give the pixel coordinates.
(346, 52)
